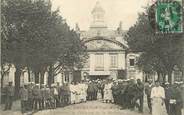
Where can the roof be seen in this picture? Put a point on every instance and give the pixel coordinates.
(98, 8)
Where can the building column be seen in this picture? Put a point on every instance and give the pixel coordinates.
(92, 62)
(106, 62)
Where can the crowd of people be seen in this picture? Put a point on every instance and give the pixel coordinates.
(129, 94)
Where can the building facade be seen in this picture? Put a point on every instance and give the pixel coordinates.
(109, 57)
(106, 48)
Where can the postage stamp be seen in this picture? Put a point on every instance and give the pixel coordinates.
(169, 16)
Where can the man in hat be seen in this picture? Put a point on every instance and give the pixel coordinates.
(36, 97)
(54, 94)
(24, 98)
(167, 96)
(123, 91)
(115, 91)
(139, 95)
(148, 88)
(66, 94)
(58, 100)
(9, 92)
(176, 102)
(90, 91)
(130, 93)
(30, 97)
(72, 93)
(42, 89)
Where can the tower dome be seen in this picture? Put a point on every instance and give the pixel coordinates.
(98, 14)
(98, 8)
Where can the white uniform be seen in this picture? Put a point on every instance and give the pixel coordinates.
(108, 92)
(77, 90)
(158, 105)
(83, 92)
(72, 93)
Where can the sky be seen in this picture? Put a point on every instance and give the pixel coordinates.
(79, 11)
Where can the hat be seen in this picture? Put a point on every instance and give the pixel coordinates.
(167, 83)
(176, 82)
(52, 85)
(180, 82)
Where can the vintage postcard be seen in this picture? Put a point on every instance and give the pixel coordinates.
(92, 57)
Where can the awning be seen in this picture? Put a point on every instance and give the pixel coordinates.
(99, 73)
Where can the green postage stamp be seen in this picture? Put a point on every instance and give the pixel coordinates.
(169, 16)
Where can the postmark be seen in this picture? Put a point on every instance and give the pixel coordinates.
(168, 16)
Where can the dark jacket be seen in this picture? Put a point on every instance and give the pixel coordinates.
(37, 93)
(9, 91)
(23, 94)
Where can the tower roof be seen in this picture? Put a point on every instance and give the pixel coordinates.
(98, 8)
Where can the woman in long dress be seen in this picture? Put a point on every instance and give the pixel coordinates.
(72, 93)
(158, 96)
(108, 92)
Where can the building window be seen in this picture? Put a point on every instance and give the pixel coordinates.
(99, 61)
(113, 60)
(178, 75)
(132, 62)
(66, 76)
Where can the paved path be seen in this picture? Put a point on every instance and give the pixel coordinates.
(90, 108)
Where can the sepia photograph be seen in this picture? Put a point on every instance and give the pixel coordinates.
(92, 57)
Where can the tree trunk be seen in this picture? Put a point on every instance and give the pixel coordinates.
(164, 77)
(42, 77)
(2, 79)
(29, 75)
(17, 81)
(183, 75)
(158, 73)
(50, 76)
(170, 77)
(36, 77)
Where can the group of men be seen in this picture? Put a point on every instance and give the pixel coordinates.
(165, 99)
(36, 97)
(129, 94)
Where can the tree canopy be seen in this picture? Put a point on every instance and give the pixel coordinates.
(34, 36)
(160, 51)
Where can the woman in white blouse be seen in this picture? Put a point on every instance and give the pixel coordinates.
(158, 96)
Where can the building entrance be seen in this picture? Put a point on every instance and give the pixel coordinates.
(95, 77)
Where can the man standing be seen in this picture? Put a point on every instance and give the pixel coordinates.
(58, 101)
(42, 89)
(123, 93)
(102, 88)
(37, 97)
(130, 93)
(72, 93)
(148, 88)
(140, 95)
(90, 91)
(30, 97)
(24, 98)
(176, 103)
(9, 91)
(65, 94)
(168, 91)
(115, 91)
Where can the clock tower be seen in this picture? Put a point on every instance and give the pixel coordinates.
(98, 14)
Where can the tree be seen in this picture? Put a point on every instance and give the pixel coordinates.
(33, 36)
(161, 52)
